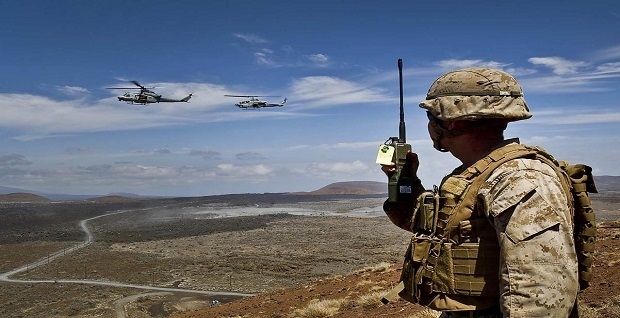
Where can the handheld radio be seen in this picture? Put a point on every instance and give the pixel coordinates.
(395, 150)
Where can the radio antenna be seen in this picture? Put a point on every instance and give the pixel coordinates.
(401, 127)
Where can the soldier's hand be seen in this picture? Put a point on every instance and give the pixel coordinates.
(412, 158)
(412, 161)
(389, 169)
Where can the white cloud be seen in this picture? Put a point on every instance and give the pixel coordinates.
(162, 151)
(566, 75)
(263, 58)
(238, 171)
(608, 53)
(575, 117)
(249, 156)
(582, 119)
(329, 91)
(609, 68)
(559, 65)
(32, 117)
(14, 160)
(519, 71)
(250, 38)
(339, 146)
(320, 60)
(43, 116)
(558, 84)
(457, 64)
(536, 140)
(142, 172)
(73, 90)
(205, 154)
(332, 169)
(593, 81)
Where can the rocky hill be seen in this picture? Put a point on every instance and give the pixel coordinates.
(608, 184)
(22, 197)
(350, 187)
(113, 198)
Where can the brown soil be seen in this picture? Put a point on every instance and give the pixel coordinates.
(286, 260)
(599, 300)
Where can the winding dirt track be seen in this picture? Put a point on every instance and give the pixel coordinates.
(119, 305)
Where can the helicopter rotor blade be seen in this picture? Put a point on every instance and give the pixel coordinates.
(137, 84)
(251, 96)
(141, 87)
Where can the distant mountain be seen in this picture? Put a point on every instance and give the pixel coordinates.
(62, 197)
(350, 187)
(22, 197)
(607, 184)
(113, 198)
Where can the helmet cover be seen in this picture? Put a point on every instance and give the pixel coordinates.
(474, 94)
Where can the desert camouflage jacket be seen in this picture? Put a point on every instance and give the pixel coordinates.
(533, 221)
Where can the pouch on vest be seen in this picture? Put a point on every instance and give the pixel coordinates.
(411, 276)
(585, 223)
(423, 223)
(424, 218)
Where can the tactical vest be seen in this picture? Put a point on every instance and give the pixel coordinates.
(454, 251)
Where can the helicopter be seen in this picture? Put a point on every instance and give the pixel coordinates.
(254, 103)
(146, 96)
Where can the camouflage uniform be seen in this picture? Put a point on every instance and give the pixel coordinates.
(532, 219)
(523, 201)
(527, 207)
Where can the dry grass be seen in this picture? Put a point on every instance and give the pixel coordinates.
(426, 313)
(381, 267)
(328, 308)
(320, 308)
(370, 300)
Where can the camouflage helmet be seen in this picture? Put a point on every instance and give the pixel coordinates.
(476, 93)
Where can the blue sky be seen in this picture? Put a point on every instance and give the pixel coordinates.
(61, 131)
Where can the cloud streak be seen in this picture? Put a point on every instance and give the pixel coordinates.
(558, 65)
(250, 38)
(611, 53)
(551, 74)
(324, 91)
(332, 169)
(456, 64)
(563, 118)
(14, 160)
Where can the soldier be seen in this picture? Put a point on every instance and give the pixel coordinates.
(500, 240)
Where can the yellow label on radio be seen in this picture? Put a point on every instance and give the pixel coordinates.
(385, 154)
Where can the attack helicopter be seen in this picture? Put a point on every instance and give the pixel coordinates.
(254, 103)
(146, 96)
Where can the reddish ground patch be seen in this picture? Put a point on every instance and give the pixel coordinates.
(281, 303)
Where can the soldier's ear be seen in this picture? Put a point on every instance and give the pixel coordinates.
(452, 124)
(457, 124)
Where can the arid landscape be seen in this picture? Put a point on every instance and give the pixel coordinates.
(331, 253)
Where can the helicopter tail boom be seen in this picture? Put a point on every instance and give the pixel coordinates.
(186, 98)
(172, 100)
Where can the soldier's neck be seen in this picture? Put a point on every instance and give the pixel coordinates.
(471, 147)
